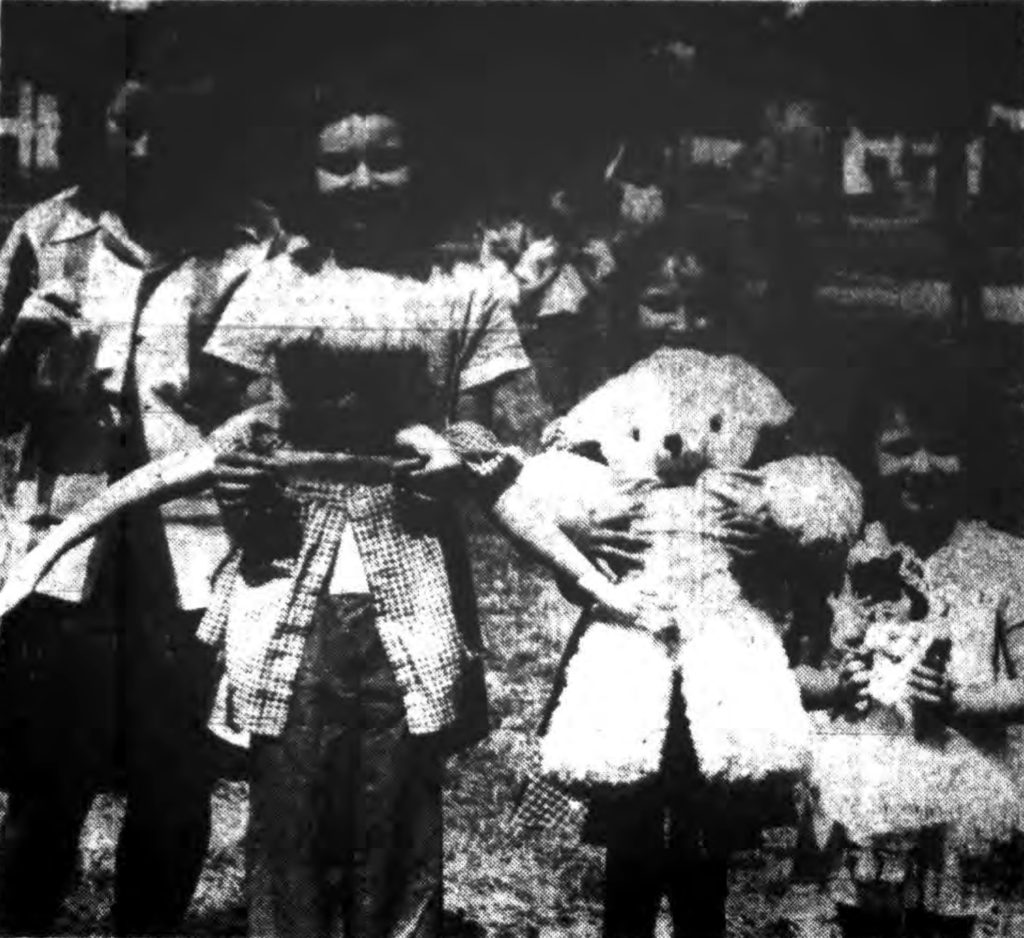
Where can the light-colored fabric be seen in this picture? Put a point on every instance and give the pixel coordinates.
(349, 574)
(260, 622)
(470, 341)
(461, 321)
(918, 818)
(138, 316)
(979, 574)
(411, 592)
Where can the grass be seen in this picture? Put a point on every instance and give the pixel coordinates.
(496, 878)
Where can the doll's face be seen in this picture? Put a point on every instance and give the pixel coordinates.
(920, 468)
(363, 174)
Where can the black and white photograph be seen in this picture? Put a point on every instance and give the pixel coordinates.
(503, 469)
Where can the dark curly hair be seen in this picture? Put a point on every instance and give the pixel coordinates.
(941, 389)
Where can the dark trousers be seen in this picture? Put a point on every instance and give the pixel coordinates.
(646, 861)
(103, 696)
(345, 805)
(661, 841)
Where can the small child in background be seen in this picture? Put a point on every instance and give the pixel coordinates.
(563, 276)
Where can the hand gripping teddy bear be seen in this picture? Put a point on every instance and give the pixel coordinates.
(676, 434)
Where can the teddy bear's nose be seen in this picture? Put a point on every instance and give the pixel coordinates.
(674, 444)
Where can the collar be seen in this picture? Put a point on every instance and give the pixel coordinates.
(259, 224)
(74, 222)
(313, 258)
(77, 223)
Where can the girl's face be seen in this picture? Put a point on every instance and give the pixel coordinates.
(669, 304)
(363, 174)
(920, 470)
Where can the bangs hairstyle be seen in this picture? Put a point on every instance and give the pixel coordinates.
(391, 81)
(941, 391)
(393, 86)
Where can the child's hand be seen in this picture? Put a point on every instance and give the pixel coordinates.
(932, 689)
(607, 536)
(852, 688)
(621, 603)
(237, 475)
(741, 520)
(436, 471)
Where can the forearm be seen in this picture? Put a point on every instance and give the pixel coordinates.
(512, 409)
(1001, 702)
(819, 687)
(538, 536)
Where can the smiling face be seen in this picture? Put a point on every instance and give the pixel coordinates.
(670, 304)
(919, 468)
(363, 175)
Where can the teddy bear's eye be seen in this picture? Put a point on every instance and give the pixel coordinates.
(715, 423)
(636, 433)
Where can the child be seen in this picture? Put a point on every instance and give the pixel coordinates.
(353, 653)
(922, 788)
(673, 415)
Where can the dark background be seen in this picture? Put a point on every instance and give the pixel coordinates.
(520, 94)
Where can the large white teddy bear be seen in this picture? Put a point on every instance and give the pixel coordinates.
(673, 435)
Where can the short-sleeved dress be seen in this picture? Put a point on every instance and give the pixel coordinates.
(979, 573)
(458, 333)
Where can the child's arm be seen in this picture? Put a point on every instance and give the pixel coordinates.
(533, 527)
(997, 702)
(1002, 701)
(824, 688)
(519, 506)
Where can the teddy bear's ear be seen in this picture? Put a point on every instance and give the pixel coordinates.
(755, 395)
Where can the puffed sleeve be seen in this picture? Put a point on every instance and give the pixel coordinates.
(485, 337)
(258, 316)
